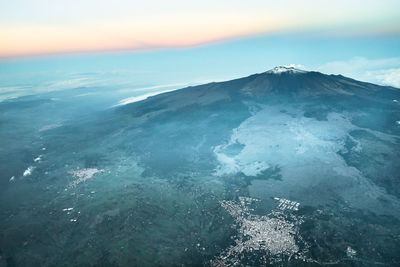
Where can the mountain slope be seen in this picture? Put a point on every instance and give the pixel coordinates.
(285, 167)
(323, 140)
(282, 168)
(292, 83)
(281, 85)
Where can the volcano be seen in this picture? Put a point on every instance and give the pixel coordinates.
(286, 167)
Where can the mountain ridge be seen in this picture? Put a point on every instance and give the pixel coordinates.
(279, 82)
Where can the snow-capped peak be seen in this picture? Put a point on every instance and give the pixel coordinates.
(283, 69)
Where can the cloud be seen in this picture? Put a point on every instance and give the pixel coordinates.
(296, 66)
(384, 71)
(387, 77)
(141, 97)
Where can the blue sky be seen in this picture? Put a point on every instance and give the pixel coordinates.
(63, 26)
(359, 39)
(358, 57)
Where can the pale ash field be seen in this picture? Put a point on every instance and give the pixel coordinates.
(282, 168)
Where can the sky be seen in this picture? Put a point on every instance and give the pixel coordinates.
(160, 45)
(61, 26)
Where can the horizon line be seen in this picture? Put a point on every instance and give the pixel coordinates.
(215, 41)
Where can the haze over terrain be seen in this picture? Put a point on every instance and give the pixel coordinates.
(283, 167)
(199, 133)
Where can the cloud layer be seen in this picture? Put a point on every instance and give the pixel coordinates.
(384, 71)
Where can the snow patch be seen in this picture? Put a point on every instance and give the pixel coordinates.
(286, 69)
